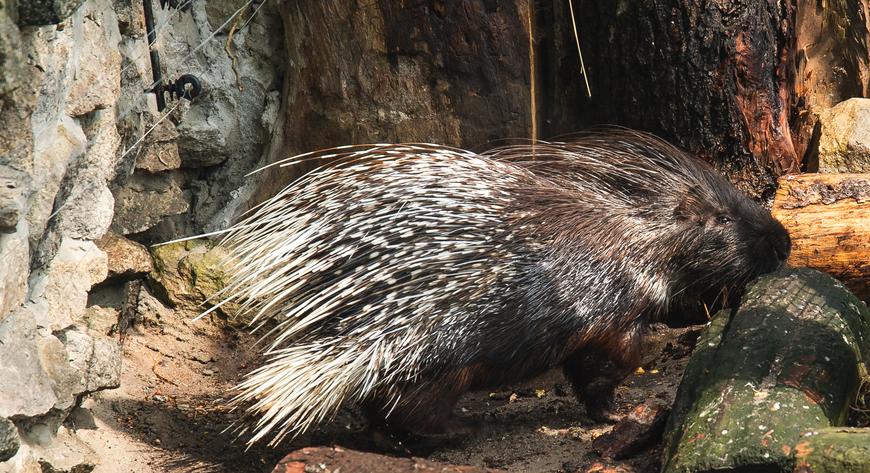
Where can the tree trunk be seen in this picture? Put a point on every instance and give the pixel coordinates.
(832, 64)
(449, 72)
(714, 77)
(738, 83)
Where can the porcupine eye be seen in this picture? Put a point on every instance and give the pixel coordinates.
(723, 219)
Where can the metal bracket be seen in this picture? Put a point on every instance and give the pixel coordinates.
(187, 86)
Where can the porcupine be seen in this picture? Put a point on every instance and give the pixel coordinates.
(399, 277)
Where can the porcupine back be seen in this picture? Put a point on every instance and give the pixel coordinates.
(393, 263)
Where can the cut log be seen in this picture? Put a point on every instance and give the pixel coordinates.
(828, 218)
(787, 362)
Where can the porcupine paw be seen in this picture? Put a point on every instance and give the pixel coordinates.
(603, 410)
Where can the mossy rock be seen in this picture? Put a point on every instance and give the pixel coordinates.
(190, 274)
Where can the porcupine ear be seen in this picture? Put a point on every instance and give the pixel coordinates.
(692, 208)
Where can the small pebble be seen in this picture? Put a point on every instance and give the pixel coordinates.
(201, 357)
(159, 398)
(207, 372)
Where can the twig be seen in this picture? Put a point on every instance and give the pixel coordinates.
(579, 52)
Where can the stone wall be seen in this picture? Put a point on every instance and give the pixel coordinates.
(82, 173)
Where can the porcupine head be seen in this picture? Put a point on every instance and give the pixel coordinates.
(402, 275)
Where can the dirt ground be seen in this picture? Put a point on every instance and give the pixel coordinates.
(169, 415)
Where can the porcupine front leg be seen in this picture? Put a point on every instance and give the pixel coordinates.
(596, 370)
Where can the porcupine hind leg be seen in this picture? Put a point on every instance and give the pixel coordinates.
(424, 409)
(596, 370)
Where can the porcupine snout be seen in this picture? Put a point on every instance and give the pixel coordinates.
(781, 243)
(773, 247)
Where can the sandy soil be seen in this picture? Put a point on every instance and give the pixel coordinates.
(169, 415)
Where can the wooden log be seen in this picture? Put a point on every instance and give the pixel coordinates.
(834, 450)
(787, 362)
(828, 218)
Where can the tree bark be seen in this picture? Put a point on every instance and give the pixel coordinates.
(449, 72)
(828, 218)
(738, 83)
(714, 77)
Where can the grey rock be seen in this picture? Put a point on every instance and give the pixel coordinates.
(96, 358)
(81, 418)
(189, 273)
(100, 160)
(54, 149)
(45, 12)
(87, 212)
(100, 320)
(18, 90)
(9, 212)
(9, 441)
(15, 255)
(36, 374)
(146, 200)
(160, 150)
(12, 187)
(46, 452)
(97, 79)
(844, 143)
(150, 310)
(228, 127)
(64, 283)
